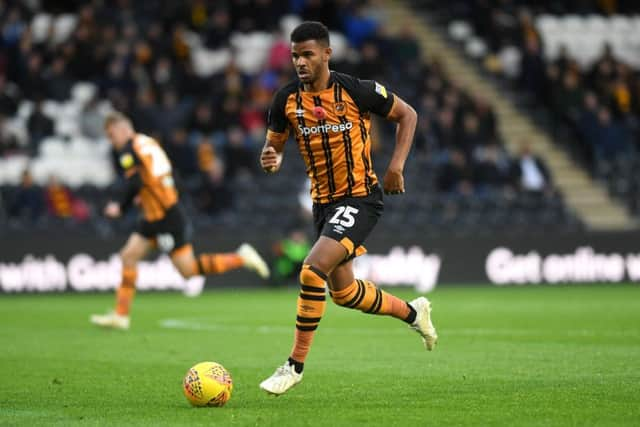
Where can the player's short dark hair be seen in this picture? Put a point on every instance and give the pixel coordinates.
(310, 30)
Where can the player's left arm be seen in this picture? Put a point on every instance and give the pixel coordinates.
(130, 187)
(406, 118)
(373, 97)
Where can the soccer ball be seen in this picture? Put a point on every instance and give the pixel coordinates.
(207, 384)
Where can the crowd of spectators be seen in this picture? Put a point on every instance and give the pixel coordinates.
(138, 55)
(593, 109)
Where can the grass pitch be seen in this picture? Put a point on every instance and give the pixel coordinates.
(507, 356)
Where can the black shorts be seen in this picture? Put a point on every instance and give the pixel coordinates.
(170, 233)
(349, 220)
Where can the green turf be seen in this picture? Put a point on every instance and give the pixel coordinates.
(514, 356)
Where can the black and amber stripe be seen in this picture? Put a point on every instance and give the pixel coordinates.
(338, 161)
(346, 139)
(313, 295)
(365, 154)
(326, 147)
(377, 303)
(359, 296)
(307, 144)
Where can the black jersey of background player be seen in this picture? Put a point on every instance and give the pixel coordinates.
(332, 128)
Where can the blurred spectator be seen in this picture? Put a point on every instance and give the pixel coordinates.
(487, 120)
(530, 173)
(239, 157)
(214, 195)
(492, 169)
(406, 48)
(218, 29)
(182, 154)
(532, 69)
(31, 81)
(569, 96)
(39, 125)
(61, 203)
(588, 126)
(359, 26)
(28, 203)
(9, 97)
(445, 130)
(371, 66)
(202, 123)
(470, 136)
(612, 136)
(58, 81)
(59, 199)
(456, 176)
(325, 11)
(172, 114)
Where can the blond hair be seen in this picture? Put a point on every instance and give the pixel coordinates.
(115, 117)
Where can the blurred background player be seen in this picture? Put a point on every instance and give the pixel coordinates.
(149, 180)
(330, 115)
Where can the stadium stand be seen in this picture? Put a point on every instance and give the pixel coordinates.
(199, 77)
(574, 65)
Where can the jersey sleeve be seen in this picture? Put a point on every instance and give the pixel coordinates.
(129, 163)
(277, 122)
(372, 96)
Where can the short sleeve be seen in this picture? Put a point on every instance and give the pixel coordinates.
(375, 97)
(128, 160)
(277, 122)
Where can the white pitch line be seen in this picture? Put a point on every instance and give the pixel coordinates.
(195, 325)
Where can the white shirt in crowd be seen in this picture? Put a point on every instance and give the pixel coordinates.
(532, 177)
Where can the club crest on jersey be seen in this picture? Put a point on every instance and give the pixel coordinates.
(340, 108)
(381, 90)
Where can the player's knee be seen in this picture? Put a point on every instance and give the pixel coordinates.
(128, 258)
(311, 275)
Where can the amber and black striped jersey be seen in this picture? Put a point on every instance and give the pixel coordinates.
(149, 176)
(332, 128)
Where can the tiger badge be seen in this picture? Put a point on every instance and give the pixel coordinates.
(340, 108)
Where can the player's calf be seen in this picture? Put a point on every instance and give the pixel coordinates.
(363, 295)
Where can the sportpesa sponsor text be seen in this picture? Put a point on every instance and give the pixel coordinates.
(327, 128)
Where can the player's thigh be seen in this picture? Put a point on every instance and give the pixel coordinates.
(136, 248)
(326, 254)
(350, 221)
(341, 276)
(184, 260)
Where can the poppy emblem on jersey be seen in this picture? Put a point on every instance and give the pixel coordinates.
(319, 113)
(340, 108)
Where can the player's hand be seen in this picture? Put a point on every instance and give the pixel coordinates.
(393, 182)
(270, 160)
(112, 210)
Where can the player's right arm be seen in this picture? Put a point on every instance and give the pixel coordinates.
(277, 134)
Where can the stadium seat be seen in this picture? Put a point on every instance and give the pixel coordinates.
(63, 27)
(40, 25)
(460, 31)
(83, 92)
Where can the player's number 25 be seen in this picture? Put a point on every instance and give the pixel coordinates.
(344, 216)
